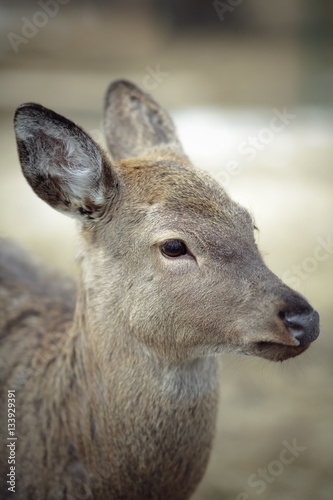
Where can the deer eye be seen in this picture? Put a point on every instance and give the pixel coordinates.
(173, 248)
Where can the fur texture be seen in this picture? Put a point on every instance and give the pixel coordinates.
(116, 393)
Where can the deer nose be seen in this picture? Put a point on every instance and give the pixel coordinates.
(303, 326)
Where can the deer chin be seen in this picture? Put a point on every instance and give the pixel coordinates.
(276, 352)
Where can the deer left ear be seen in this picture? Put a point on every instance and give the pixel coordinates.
(62, 163)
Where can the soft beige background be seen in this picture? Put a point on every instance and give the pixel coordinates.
(221, 81)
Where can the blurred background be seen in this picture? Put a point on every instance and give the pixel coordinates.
(249, 84)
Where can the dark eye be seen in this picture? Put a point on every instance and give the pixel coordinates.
(173, 248)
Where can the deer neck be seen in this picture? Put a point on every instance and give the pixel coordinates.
(126, 406)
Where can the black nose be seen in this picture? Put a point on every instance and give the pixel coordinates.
(303, 326)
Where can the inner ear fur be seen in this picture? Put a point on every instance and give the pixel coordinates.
(62, 164)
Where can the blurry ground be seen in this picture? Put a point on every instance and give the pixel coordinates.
(221, 90)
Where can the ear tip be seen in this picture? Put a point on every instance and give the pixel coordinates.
(121, 82)
(121, 85)
(27, 110)
(29, 106)
(35, 116)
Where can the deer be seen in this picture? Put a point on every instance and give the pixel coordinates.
(116, 377)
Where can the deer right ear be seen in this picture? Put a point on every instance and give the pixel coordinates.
(62, 163)
(135, 124)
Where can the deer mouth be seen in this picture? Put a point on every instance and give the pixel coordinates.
(277, 352)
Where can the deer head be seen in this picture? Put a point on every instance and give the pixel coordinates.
(168, 259)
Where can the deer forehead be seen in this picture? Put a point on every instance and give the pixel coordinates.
(176, 186)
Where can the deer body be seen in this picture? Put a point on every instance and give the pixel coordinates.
(117, 395)
(89, 433)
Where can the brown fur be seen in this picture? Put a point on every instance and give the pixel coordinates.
(116, 397)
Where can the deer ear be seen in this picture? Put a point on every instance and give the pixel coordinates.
(135, 124)
(61, 162)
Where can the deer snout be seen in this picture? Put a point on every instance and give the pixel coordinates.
(299, 322)
(303, 326)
